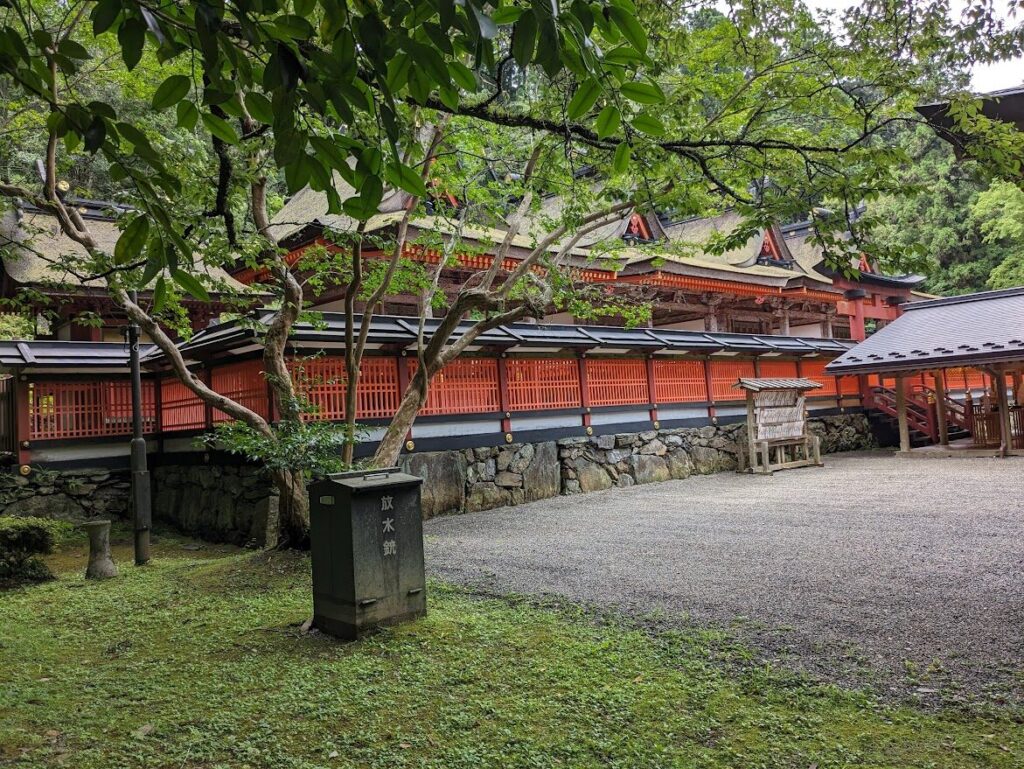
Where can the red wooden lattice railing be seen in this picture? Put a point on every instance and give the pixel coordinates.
(777, 369)
(80, 409)
(724, 374)
(468, 386)
(538, 384)
(679, 381)
(73, 409)
(243, 383)
(815, 370)
(323, 381)
(180, 409)
(616, 382)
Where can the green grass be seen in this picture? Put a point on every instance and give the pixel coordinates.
(198, 661)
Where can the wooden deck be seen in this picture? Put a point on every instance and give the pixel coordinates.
(963, 448)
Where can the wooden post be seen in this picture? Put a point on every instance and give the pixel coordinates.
(206, 375)
(751, 431)
(940, 407)
(901, 411)
(652, 401)
(708, 388)
(22, 420)
(503, 401)
(581, 367)
(1005, 436)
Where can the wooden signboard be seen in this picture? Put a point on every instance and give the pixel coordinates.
(777, 433)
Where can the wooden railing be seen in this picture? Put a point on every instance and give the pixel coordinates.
(987, 432)
(75, 408)
(920, 413)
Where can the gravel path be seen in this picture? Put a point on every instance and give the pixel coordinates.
(908, 574)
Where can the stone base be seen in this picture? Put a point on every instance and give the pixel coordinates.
(219, 503)
(70, 495)
(238, 503)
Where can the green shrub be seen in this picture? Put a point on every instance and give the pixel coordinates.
(22, 541)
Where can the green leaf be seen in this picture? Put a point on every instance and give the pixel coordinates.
(259, 107)
(104, 15)
(159, 294)
(507, 14)
(524, 39)
(648, 124)
(608, 121)
(584, 98)
(329, 152)
(132, 36)
(129, 246)
(463, 76)
(73, 50)
(620, 161)
(220, 128)
(629, 26)
(171, 91)
(191, 284)
(623, 55)
(406, 178)
(188, 115)
(642, 93)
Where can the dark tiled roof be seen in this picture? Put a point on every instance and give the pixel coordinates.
(1006, 105)
(975, 329)
(43, 355)
(400, 331)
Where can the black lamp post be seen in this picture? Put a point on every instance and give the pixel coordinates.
(142, 504)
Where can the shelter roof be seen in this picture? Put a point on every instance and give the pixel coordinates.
(68, 357)
(760, 385)
(398, 332)
(1006, 105)
(972, 330)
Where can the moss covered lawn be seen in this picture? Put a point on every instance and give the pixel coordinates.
(199, 660)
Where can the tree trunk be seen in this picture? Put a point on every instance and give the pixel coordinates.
(390, 446)
(352, 370)
(293, 508)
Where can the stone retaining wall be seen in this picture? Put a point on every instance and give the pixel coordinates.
(67, 494)
(220, 503)
(237, 503)
(483, 478)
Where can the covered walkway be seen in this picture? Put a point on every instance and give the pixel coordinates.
(931, 340)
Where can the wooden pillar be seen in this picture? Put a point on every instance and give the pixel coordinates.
(858, 332)
(784, 321)
(940, 407)
(1018, 389)
(652, 401)
(503, 401)
(22, 421)
(751, 432)
(584, 394)
(1005, 435)
(708, 388)
(901, 411)
(206, 375)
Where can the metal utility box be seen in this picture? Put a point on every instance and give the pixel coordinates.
(366, 536)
